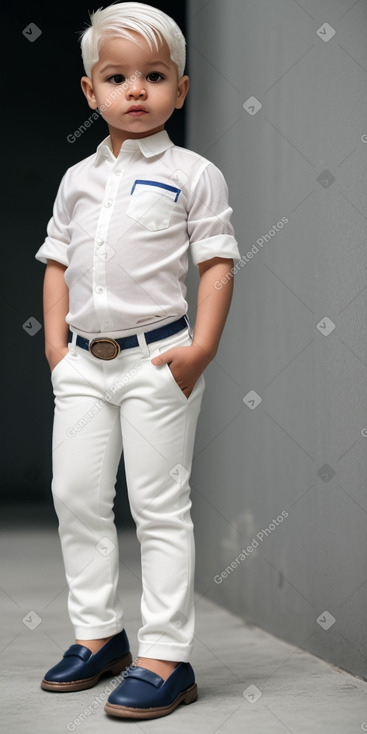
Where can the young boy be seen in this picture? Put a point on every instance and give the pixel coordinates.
(131, 377)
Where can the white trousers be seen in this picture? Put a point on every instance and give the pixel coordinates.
(103, 409)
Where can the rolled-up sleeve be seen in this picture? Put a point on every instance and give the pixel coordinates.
(58, 236)
(209, 217)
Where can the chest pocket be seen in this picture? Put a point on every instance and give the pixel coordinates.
(152, 203)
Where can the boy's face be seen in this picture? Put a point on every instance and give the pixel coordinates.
(116, 87)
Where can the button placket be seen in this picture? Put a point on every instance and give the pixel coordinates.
(100, 294)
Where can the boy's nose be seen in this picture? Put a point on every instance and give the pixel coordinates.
(136, 90)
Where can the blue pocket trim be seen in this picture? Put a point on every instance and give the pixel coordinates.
(159, 185)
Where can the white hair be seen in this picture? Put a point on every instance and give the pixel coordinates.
(120, 18)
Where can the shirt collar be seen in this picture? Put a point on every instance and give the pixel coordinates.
(150, 146)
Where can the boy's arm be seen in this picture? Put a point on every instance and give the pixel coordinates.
(210, 231)
(187, 364)
(55, 309)
(214, 300)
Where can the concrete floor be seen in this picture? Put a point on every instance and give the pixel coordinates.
(248, 680)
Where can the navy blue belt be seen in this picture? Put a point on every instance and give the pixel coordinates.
(106, 348)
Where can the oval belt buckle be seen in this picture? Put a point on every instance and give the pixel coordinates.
(104, 348)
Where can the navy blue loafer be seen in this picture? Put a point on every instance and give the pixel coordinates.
(145, 695)
(80, 669)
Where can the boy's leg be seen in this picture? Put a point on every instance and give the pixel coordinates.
(158, 426)
(86, 450)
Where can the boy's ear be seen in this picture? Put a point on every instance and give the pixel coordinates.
(182, 89)
(87, 87)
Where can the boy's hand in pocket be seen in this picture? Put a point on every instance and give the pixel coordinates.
(56, 356)
(186, 364)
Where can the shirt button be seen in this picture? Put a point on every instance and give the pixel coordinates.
(117, 173)
(99, 289)
(108, 202)
(100, 242)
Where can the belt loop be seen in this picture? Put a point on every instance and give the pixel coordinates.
(143, 344)
(188, 325)
(72, 344)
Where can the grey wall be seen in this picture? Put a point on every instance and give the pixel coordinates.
(283, 427)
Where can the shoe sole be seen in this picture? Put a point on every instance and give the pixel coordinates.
(188, 696)
(79, 685)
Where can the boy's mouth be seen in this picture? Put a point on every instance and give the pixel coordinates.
(136, 111)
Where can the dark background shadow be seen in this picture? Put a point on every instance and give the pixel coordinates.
(44, 104)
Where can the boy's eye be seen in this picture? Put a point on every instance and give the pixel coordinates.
(118, 78)
(154, 76)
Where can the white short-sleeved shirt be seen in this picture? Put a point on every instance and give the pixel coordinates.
(123, 226)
